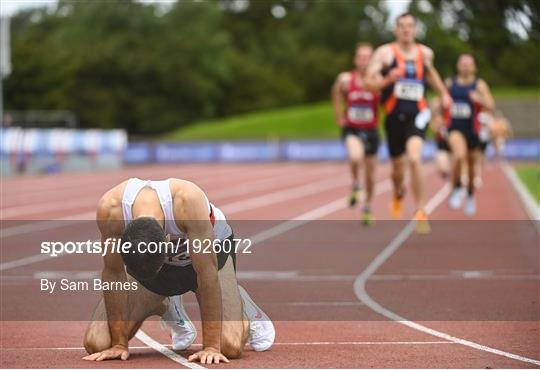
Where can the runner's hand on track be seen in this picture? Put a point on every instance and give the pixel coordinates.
(208, 355)
(113, 353)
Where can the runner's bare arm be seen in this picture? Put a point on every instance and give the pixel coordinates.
(192, 209)
(437, 117)
(338, 98)
(483, 96)
(113, 271)
(434, 79)
(382, 57)
(374, 80)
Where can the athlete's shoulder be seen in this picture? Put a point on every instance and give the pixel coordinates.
(180, 186)
(382, 57)
(344, 77)
(112, 198)
(427, 53)
(189, 201)
(383, 51)
(185, 192)
(426, 50)
(387, 46)
(480, 82)
(109, 214)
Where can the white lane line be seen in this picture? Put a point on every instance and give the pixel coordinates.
(322, 303)
(452, 277)
(387, 252)
(281, 228)
(143, 337)
(294, 192)
(72, 275)
(167, 346)
(266, 183)
(309, 216)
(44, 185)
(359, 343)
(529, 203)
(258, 185)
(34, 226)
(288, 276)
(33, 209)
(281, 196)
(24, 261)
(248, 204)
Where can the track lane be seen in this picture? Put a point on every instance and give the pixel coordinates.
(340, 355)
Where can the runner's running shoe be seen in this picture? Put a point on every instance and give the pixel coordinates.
(456, 198)
(470, 206)
(183, 332)
(422, 223)
(355, 194)
(261, 329)
(367, 216)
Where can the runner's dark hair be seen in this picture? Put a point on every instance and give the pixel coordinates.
(468, 54)
(406, 14)
(140, 263)
(363, 44)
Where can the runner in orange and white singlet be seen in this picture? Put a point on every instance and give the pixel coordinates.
(401, 70)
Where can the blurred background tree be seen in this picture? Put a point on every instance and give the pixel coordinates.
(152, 67)
(504, 36)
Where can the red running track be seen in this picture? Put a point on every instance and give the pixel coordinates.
(473, 283)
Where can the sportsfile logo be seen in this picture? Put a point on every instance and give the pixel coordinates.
(168, 248)
(112, 245)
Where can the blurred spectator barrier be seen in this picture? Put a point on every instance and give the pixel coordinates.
(38, 150)
(54, 150)
(301, 150)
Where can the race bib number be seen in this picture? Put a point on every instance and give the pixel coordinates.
(407, 89)
(360, 114)
(181, 260)
(461, 110)
(179, 255)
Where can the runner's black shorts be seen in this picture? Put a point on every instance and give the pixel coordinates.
(176, 280)
(442, 144)
(472, 139)
(483, 145)
(399, 128)
(369, 138)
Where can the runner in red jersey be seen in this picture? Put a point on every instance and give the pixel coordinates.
(356, 113)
